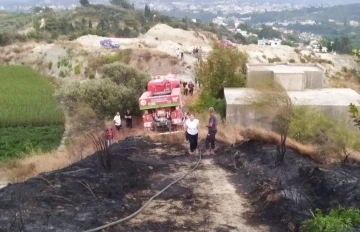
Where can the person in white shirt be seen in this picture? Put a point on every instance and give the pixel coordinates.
(192, 129)
(117, 121)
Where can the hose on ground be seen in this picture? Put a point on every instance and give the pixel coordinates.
(148, 202)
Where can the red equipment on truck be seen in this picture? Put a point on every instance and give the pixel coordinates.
(162, 105)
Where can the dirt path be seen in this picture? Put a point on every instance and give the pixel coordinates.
(227, 207)
(203, 201)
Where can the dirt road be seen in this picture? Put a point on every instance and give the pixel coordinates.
(204, 201)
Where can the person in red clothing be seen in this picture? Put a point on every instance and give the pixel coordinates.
(109, 136)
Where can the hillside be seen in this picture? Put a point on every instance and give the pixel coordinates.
(72, 188)
(213, 198)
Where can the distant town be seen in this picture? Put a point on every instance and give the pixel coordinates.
(217, 7)
(224, 8)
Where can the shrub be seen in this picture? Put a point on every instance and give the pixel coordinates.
(50, 64)
(92, 76)
(339, 219)
(147, 56)
(273, 60)
(119, 90)
(77, 69)
(205, 100)
(123, 74)
(62, 74)
(310, 125)
(291, 61)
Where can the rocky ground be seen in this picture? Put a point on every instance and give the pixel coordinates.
(213, 198)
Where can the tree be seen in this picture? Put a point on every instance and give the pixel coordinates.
(224, 67)
(131, 21)
(240, 38)
(84, 3)
(272, 100)
(147, 11)
(90, 23)
(269, 33)
(123, 3)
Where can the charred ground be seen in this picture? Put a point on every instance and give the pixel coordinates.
(283, 196)
(84, 195)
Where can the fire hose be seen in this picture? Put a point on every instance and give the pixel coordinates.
(148, 202)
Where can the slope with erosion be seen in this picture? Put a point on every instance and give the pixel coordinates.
(155, 52)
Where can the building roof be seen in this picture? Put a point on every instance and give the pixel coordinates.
(285, 68)
(307, 97)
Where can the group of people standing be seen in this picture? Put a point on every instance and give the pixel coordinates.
(191, 127)
(188, 88)
(118, 125)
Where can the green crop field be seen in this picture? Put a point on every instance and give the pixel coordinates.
(26, 98)
(30, 118)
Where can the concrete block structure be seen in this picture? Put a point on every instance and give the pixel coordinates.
(293, 77)
(304, 85)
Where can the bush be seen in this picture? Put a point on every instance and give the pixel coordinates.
(62, 74)
(339, 220)
(314, 126)
(205, 101)
(291, 61)
(224, 67)
(273, 60)
(50, 64)
(92, 76)
(123, 74)
(77, 69)
(119, 90)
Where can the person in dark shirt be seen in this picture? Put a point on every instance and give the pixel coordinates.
(128, 118)
(212, 130)
(191, 88)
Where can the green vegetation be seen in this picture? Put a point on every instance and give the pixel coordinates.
(117, 91)
(309, 125)
(26, 98)
(224, 67)
(30, 119)
(274, 60)
(339, 220)
(16, 142)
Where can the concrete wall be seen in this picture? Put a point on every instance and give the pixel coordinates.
(247, 116)
(257, 76)
(291, 81)
(314, 80)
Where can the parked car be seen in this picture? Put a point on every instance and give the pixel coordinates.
(108, 43)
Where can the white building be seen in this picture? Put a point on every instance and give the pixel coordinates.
(269, 42)
(354, 23)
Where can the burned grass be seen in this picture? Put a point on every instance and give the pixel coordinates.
(85, 195)
(282, 197)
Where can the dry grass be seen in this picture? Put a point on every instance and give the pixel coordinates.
(21, 170)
